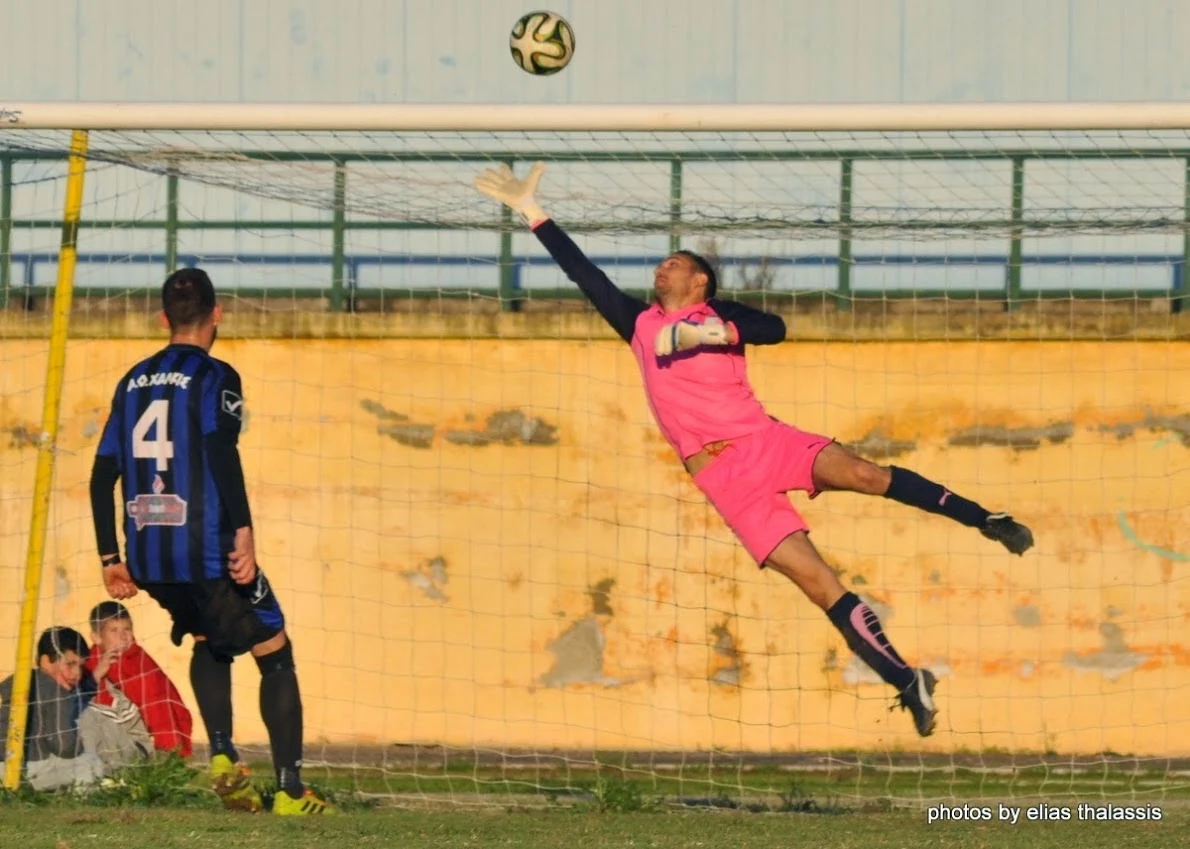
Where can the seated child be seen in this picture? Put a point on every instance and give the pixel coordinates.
(122, 668)
(59, 692)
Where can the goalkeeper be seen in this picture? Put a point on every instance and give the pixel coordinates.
(689, 346)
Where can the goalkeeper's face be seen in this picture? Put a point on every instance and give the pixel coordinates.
(677, 282)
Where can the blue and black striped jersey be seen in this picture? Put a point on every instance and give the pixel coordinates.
(164, 414)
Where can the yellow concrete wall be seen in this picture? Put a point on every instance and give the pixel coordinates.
(1083, 645)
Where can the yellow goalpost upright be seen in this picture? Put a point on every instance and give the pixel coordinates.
(46, 449)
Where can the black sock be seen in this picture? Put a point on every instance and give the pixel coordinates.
(281, 710)
(210, 678)
(865, 637)
(911, 488)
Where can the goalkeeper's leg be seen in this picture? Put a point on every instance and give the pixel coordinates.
(837, 468)
(796, 558)
(747, 483)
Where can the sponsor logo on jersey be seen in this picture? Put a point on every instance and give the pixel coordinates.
(161, 509)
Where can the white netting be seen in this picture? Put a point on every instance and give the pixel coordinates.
(494, 569)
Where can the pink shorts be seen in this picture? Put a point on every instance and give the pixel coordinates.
(748, 481)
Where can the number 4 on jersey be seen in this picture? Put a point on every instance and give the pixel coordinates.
(159, 448)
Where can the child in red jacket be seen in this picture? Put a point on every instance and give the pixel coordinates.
(117, 658)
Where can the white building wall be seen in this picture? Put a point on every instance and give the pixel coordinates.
(628, 50)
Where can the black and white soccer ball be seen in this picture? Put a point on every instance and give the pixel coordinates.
(542, 43)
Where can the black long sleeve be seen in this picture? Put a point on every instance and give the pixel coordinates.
(104, 475)
(618, 309)
(223, 459)
(754, 327)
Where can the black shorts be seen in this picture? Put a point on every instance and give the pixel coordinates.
(232, 617)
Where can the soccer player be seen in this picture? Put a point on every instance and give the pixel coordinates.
(172, 439)
(689, 346)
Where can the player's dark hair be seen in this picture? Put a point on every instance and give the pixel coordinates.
(55, 642)
(705, 267)
(187, 297)
(106, 610)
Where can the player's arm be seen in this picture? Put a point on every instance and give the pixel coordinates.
(105, 474)
(221, 410)
(732, 324)
(619, 309)
(747, 325)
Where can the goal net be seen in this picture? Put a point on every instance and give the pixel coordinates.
(500, 583)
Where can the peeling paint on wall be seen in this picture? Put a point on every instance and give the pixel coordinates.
(1016, 438)
(579, 650)
(21, 436)
(1113, 660)
(729, 661)
(600, 604)
(578, 656)
(876, 446)
(61, 582)
(1027, 616)
(503, 427)
(1177, 426)
(430, 579)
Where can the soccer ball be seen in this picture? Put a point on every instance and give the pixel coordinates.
(542, 43)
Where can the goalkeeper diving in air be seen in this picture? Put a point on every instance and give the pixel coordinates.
(689, 346)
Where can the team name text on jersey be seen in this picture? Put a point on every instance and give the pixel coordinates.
(161, 378)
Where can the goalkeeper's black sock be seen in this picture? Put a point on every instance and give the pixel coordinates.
(911, 488)
(281, 710)
(210, 678)
(861, 628)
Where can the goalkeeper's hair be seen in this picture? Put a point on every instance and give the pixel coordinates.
(700, 262)
(187, 297)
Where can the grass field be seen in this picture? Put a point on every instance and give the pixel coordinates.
(88, 828)
(166, 805)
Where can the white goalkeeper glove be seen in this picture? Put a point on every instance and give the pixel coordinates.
(501, 184)
(684, 335)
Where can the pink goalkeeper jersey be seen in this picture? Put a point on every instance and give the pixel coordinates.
(697, 396)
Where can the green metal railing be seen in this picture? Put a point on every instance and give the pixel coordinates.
(845, 228)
